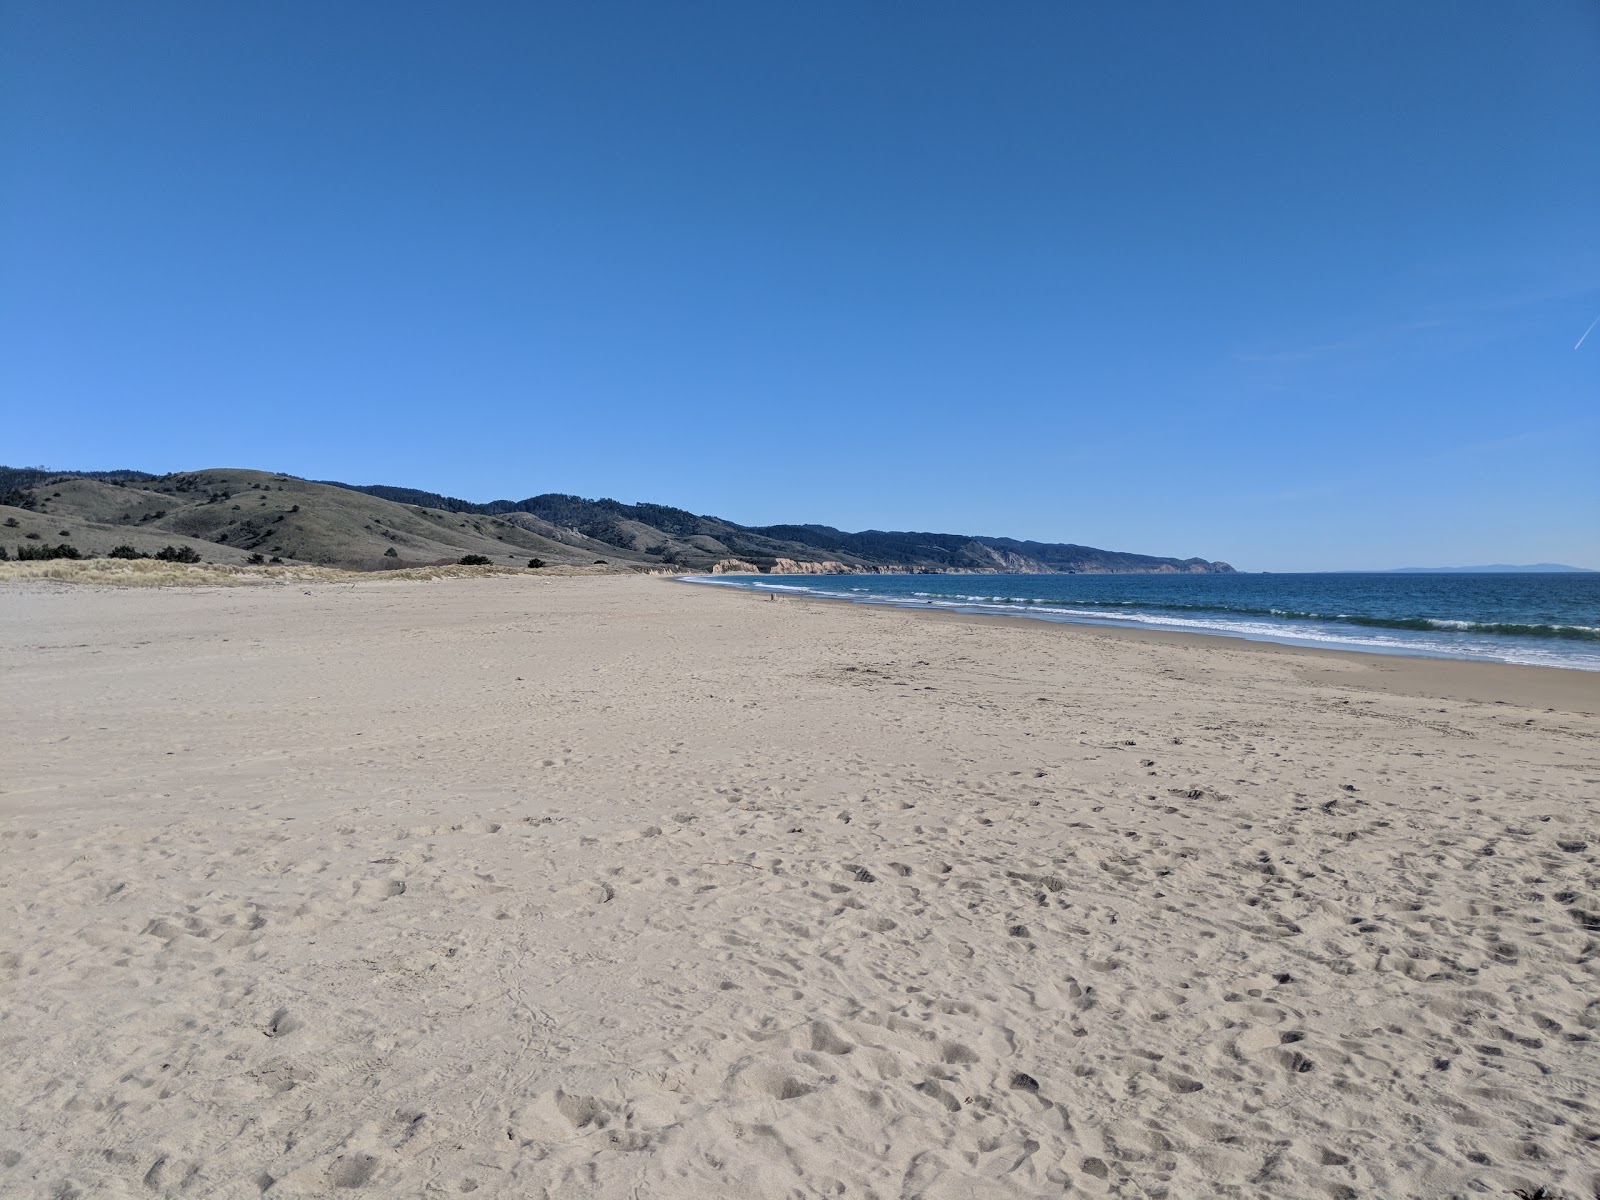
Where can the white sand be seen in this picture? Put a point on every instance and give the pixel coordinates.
(623, 888)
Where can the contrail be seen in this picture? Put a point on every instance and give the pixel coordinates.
(1588, 331)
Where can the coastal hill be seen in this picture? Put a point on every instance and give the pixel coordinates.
(231, 515)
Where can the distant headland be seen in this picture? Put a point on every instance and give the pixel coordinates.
(1497, 569)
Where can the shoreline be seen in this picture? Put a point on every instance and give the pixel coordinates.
(1471, 680)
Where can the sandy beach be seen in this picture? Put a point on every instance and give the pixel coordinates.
(621, 887)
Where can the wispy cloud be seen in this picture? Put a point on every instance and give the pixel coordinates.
(1463, 321)
(1374, 474)
(1371, 339)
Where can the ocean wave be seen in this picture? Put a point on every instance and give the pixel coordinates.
(1530, 643)
(1578, 633)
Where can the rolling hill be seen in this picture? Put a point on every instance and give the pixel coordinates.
(230, 515)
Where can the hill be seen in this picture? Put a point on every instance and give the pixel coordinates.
(230, 515)
(677, 537)
(226, 516)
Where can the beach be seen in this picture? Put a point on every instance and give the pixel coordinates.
(614, 886)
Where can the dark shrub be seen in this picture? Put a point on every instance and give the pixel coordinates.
(599, 562)
(474, 560)
(11, 522)
(536, 563)
(178, 554)
(32, 537)
(46, 552)
(126, 552)
(391, 552)
(256, 560)
(275, 559)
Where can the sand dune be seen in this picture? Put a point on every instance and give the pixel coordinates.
(617, 887)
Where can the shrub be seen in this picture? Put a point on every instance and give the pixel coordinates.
(126, 552)
(256, 560)
(46, 552)
(11, 522)
(275, 559)
(391, 552)
(474, 560)
(33, 537)
(536, 563)
(599, 562)
(64, 532)
(5, 555)
(178, 554)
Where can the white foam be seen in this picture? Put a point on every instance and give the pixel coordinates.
(1301, 633)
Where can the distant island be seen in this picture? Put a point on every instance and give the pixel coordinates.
(1496, 569)
(242, 516)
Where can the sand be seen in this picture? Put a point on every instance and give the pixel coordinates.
(620, 887)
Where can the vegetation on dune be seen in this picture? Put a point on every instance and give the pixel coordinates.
(149, 572)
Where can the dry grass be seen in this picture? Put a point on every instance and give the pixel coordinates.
(116, 572)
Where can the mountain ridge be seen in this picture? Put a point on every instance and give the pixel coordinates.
(242, 513)
(609, 520)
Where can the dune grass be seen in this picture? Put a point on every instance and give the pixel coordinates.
(117, 572)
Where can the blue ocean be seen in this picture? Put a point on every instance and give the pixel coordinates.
(1535, 619)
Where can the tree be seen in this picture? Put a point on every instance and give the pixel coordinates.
(474, 560)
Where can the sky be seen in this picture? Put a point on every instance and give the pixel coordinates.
(1294, 286)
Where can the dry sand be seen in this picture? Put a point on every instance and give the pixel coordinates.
(618, 887)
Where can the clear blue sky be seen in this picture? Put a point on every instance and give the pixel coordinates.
(1293, 285)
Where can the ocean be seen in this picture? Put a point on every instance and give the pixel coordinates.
(1538, 620)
